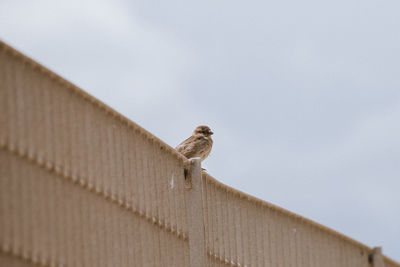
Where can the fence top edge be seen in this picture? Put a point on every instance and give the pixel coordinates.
(389, 260)
(91, 99)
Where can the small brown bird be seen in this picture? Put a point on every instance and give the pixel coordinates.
(198, 145)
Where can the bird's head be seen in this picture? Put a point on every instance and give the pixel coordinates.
(203, 130)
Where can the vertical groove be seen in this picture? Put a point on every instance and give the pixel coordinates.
(232, 229)
(141, 199)
(220, 224)
(238, 225)
(54, 152)
(156, 196)
(275, 244)
(209, 212)
(181, 222)
(226, 233)
(246, 232)
(254, 240)
(266, 258)
(14, 217)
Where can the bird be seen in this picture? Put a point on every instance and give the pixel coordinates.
(198, 145)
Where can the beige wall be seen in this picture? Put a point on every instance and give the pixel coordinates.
(80, 185)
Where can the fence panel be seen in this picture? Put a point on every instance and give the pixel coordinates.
(82, 185)
(243, 231)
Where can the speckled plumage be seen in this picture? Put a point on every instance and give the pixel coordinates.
(198, 145)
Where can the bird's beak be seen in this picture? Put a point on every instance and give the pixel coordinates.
(211, 133)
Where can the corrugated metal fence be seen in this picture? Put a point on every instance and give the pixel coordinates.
(80, 185)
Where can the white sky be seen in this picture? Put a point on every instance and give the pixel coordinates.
(303, 96)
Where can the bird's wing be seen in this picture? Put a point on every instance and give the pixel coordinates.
(185, 145)
(191, 146)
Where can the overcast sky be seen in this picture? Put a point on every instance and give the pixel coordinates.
(303, 96)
